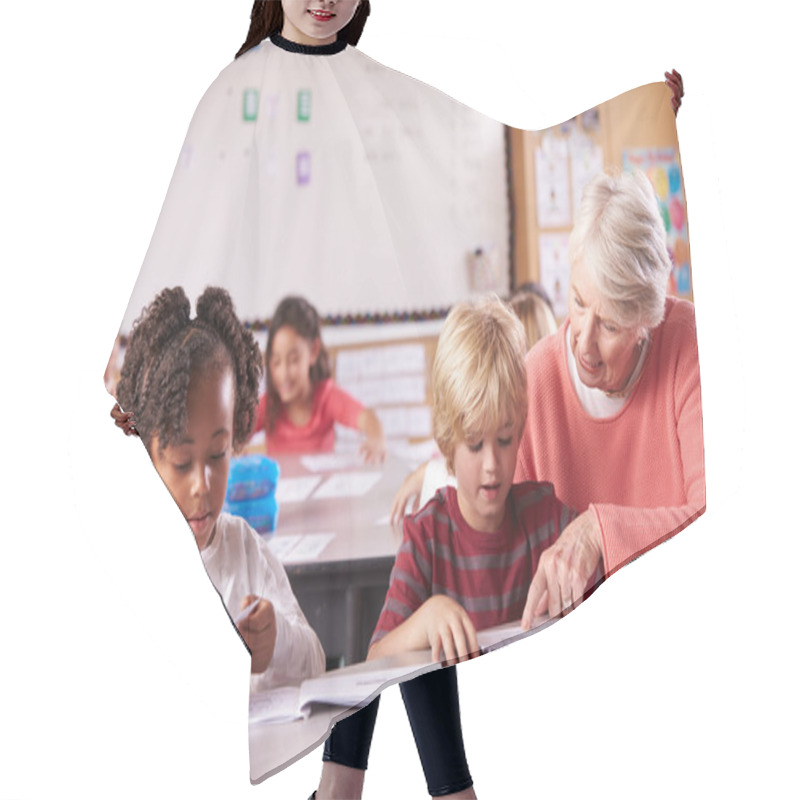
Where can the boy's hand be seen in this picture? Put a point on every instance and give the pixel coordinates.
(448, 628)
(564, 570)
(259, 632)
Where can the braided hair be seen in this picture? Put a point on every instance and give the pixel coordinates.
(167, 347)
(299, 315)
(266, 19)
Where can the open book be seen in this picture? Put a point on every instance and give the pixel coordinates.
(501, 635)
(348, 687)
(356, 685)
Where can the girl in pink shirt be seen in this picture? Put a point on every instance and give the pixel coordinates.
(302, 402)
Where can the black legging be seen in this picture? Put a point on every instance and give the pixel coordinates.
(433, 711)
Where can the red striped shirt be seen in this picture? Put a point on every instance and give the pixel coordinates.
(489, 574)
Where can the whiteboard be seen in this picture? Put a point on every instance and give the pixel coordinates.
(336, 178)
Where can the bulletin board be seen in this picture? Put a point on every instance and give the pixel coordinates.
(635, 130)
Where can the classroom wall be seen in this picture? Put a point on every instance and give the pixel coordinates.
(641, 118)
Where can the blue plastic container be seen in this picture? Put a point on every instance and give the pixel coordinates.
(261, 513)
(251, 477)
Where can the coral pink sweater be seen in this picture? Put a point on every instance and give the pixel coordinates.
(640, 471)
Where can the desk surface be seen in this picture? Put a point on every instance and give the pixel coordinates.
(360, 524)
(274, 746)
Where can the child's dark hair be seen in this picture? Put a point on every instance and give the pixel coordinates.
(167, 346)
(266, 19)
(298, 314)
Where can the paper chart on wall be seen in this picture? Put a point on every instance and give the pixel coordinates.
(586, 161)
(554, 269)
(662, 166)
(553, 207)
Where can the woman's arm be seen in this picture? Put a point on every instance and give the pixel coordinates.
(565, 570)
(623, 530)
(628, 532)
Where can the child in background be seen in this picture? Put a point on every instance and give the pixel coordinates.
(532, 305)
(192, 385)
(302, 402)
(469, 556)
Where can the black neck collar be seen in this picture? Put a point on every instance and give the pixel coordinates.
(307, 49)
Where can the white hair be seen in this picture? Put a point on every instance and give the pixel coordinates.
(619, 237)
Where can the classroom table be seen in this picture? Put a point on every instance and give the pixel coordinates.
(341, 590)
(274, 746)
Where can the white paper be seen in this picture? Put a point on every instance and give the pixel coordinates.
(309, 546)
(347, 687)
(295, 490)
(347, 484)
(281, 546)
(587, 162)
(331, 462)
(554, 269)
(300, 547)
(492, 638)
(553, 208)
(276, 705)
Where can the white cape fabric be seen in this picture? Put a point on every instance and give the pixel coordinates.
(318, 172)
(329, 176)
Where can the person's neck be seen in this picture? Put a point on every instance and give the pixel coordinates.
(212, 537)
(480, 526)
(293, 34)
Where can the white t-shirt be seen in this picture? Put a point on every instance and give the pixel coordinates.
(240, 563)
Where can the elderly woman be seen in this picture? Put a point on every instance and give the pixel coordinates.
(614, 418)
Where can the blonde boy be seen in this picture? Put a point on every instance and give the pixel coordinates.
(468, 557)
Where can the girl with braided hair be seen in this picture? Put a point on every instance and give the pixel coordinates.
(193, 384)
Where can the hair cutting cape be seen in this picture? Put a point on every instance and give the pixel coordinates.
(318, 172)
